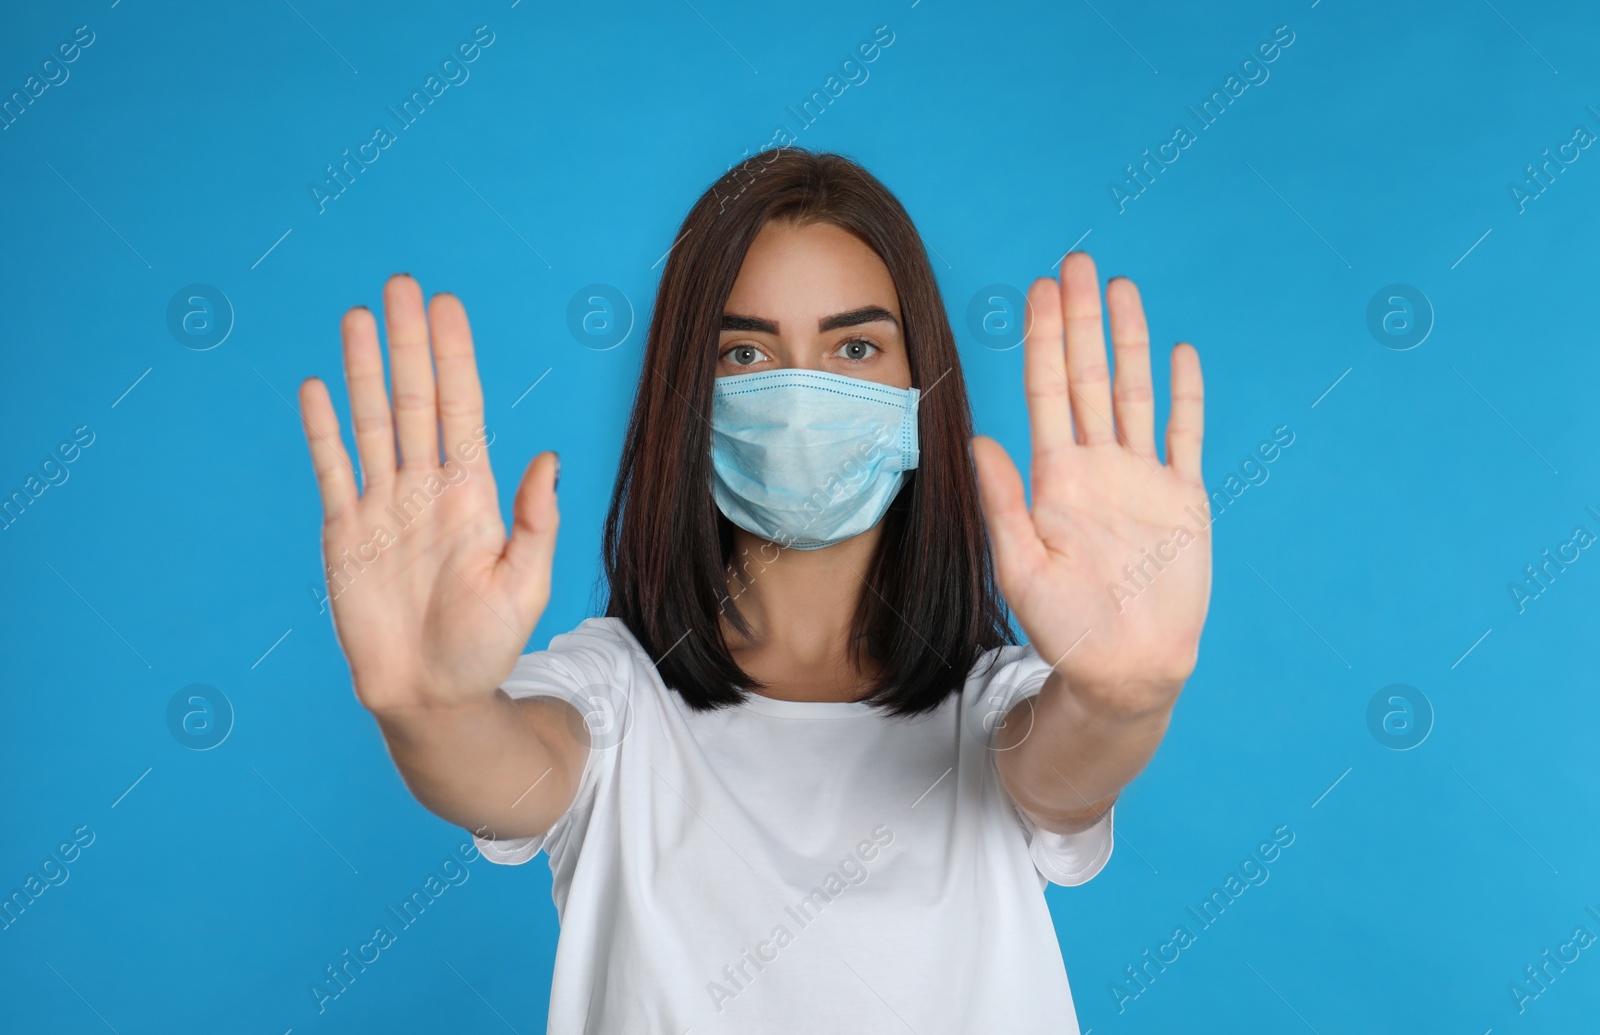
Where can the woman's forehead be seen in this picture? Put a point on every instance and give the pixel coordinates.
(799, 276)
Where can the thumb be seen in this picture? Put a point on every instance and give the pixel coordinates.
(1017, 547)
(530, 552)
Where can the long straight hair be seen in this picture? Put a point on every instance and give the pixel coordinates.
(930, 608)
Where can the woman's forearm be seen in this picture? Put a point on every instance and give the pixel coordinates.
(1064, 759)
(488, 766)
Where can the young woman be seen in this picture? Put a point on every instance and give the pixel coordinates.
(800, 777)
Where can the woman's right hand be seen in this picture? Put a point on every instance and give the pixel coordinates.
(432, 604)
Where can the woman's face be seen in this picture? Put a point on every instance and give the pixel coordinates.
(815, 298)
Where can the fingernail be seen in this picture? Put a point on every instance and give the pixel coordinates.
(557, 483)
(363, 307)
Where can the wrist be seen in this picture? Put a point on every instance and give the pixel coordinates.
(417, 713)
(1118, 704)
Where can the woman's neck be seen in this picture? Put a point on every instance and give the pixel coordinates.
(801, 606)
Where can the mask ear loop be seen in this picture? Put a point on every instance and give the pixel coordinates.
(910, 449)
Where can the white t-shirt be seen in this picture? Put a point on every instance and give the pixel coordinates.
(794, 866)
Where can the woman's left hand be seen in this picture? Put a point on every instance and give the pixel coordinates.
(1109, 571)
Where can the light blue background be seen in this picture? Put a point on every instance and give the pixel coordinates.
(1380, 550)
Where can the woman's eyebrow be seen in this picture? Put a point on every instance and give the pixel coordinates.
(866, 314)
(732, 322)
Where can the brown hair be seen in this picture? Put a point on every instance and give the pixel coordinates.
(932, 608)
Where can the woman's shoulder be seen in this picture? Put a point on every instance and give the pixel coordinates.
(1004, 675)
(608, 635)
(597, 653)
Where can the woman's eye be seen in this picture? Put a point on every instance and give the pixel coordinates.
(743, 355)
(857, 349)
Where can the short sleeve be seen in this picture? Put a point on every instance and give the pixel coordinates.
(1066, 859)
(589, 670)
(1070, 859)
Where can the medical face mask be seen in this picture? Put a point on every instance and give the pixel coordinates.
(807, 459)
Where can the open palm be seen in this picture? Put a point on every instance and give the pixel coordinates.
(1109, 570)
(431, 601)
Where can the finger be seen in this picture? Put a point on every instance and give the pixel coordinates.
(531, 550)
(460, 393)
(411, 373)
(1186, 425)
(369, 399)
(1017, 548)
(1088, 377)
(1132, 400)
(336, 480)
(1044, 371)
